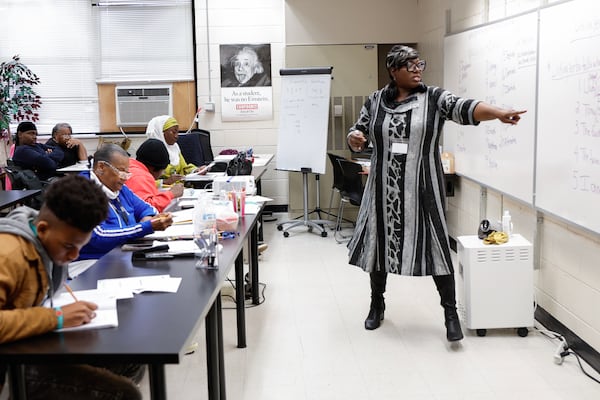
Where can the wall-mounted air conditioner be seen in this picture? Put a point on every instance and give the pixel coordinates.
(136, 105)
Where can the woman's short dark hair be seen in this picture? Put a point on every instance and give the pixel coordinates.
(77, 201)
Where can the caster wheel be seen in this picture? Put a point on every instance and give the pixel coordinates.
(522, 332)
(481, 332)
(279, 227)
(286, 234)
(324, 234)
(310, 228)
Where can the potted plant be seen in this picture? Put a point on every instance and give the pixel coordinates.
(18, 100)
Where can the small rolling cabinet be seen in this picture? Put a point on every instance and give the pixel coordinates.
(495, 284)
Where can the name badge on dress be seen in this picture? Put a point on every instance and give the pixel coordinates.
(399, 148)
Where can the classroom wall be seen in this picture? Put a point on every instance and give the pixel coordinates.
(567, 282)
(568, 279)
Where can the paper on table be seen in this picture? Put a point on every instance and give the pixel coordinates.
(174, 231)
(183, 216)
(257, 199)
(77, 267)
(252, 208)
(106, 313)
(139, 284)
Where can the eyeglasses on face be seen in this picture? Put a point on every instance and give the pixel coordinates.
(412, 66)
(122, 174)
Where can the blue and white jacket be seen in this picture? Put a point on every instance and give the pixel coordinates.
(120, 226)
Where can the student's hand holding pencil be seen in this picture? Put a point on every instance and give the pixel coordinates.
(161, 221)
(78, 313)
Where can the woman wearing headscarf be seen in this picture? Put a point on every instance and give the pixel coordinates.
(401, 226)
(166, 129)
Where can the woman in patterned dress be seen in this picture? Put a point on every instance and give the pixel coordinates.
(401, 226)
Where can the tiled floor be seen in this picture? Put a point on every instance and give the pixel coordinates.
(307, 341)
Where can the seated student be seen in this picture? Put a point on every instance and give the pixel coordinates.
(38, 157)
(72, 148)
(129, 217)
(151, 160)
(166, 129)
(36, 246)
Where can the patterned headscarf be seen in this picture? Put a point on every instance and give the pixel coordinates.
(399, 55)
(155, 129)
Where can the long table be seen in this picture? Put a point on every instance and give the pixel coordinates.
(154, 328)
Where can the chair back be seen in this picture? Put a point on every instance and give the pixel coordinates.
(205, 145)
(352, 186)
(25, 179)
(191, 148)
(338, 175)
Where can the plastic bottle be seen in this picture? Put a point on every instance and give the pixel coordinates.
(507, 223)
(205, 233)
(448, 162)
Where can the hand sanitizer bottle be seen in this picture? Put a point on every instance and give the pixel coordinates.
(507, 223)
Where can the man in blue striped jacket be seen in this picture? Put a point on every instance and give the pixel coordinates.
(129, 217)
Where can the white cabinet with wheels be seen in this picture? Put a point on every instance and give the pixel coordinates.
(495, 284)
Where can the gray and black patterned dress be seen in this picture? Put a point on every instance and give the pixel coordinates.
(401, 226)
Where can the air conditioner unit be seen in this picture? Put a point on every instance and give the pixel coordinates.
(136, 105)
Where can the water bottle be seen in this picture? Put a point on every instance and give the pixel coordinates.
(205, 233)
(507, 226)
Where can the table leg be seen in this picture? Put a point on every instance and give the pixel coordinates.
(240, 300)
(212, 352)
(16, 373)
(260, 214)
(158, 382)
(253, 250)
(222, 389)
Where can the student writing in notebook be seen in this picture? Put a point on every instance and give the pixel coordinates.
(36, 246)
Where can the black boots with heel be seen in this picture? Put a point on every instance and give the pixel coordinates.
(446, 287)
(377, 308)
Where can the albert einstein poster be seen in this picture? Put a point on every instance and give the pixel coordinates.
(246, 91)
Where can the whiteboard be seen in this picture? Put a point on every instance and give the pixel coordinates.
(304, 119)
(568, 150)
(495, 63)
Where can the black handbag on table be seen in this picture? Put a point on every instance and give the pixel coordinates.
(239, 165)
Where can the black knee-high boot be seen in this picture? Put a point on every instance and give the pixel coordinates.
(378, 280)
(446, 287)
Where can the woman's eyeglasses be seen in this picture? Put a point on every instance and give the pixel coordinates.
(412, 66)
(122, 174)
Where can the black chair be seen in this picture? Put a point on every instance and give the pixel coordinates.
(191, 148)
(26, 179)
(351, 192)
(205, 145)
(207, 151)
(338, 178)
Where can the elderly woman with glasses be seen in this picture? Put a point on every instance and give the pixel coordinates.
(401, 226)
(129, 217)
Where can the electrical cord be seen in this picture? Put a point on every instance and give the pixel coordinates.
(580, 365)
(563, 350)
(262, 297)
